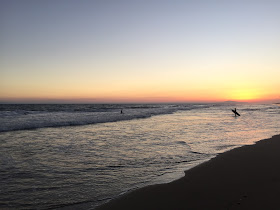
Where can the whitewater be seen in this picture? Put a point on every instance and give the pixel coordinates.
(78, 156)
(31, 116)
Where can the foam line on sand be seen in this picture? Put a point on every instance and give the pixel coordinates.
(243, 178)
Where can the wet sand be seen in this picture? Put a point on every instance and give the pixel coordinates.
(243, 178)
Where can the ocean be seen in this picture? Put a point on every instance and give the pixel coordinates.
(78, 156)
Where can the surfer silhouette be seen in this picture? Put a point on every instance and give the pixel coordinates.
(121, 112)
(235, 112)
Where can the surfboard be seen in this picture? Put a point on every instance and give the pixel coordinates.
(235, 112)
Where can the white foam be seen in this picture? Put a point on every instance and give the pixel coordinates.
(30, 120)
(22, 119)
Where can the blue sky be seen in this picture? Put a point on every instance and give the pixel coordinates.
(138, 50)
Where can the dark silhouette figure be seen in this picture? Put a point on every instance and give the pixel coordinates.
(121, 112)
(235, 112)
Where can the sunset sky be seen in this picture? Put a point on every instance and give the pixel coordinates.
(111, 51)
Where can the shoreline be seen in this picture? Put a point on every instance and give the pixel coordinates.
(246, 177)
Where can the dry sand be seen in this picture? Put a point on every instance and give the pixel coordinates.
(243, 178)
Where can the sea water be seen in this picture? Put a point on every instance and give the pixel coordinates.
(80, 156)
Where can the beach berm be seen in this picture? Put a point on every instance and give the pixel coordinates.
(243, 178)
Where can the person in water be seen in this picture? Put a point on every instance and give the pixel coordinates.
(235, 112)
(121, 112)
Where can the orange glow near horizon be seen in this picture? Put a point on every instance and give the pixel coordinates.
(140, 97)
(128, 89)
(245, 95)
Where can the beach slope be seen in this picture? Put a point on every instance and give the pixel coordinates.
(243, 178)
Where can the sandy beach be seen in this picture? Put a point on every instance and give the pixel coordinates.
(243, 178)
